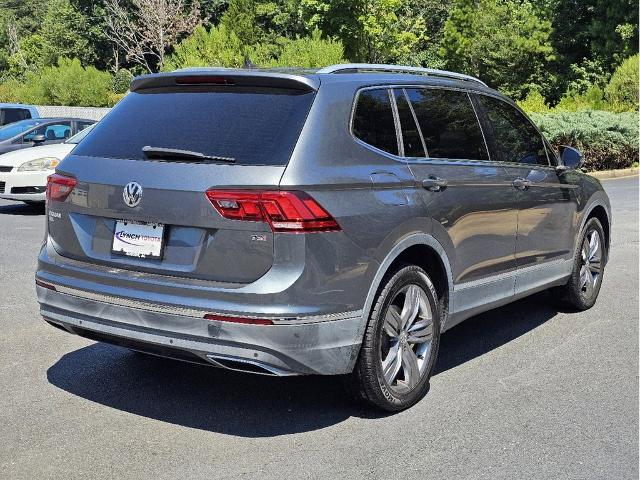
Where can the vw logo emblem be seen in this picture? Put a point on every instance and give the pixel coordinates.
(132, 194)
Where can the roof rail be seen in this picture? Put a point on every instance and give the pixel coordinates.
(375, 67)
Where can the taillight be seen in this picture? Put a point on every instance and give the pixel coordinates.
(59, 187)
(294, 212)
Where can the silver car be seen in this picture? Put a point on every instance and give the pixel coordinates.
(333, 222)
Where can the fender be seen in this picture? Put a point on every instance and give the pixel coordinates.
(406, 242)
(597, 200)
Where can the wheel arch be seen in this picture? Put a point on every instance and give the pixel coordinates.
(424, 251)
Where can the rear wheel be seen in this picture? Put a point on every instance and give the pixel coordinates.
(582, 289)
(400, 343)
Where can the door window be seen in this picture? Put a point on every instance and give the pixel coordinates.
(448, 123)
(52, 132)
(373, 120)
(517, 140)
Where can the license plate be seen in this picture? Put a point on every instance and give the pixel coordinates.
(136, 239)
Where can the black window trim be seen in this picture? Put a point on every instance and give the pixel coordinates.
(396, 119)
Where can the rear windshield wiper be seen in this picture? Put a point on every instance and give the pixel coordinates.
(177, 155)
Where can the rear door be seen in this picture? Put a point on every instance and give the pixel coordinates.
(546, 199)
(470, 196)
(256, 127)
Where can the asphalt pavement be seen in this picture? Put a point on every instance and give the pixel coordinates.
(523, 391)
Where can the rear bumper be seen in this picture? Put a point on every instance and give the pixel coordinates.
(326, 345)
(20, 181)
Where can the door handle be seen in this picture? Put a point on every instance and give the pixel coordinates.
(521, 183)
(434, 184)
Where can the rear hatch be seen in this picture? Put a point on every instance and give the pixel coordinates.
(141, 176)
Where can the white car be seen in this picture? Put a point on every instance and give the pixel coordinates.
(23, 173)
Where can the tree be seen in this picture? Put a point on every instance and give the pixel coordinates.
(614, 30)
(622, 90)
(64, 34)
(307, 52)
(370, 30)
(146, 32)
(215, 47)
(504, 42)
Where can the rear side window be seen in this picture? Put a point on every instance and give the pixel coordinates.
(516, 138)
(410, 134)
(253, 126)
(448, 123)
(373, 120)
(10, 115)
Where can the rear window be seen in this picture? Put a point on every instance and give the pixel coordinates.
(256, 127)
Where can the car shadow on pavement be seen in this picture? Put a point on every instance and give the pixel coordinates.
(22, 209)
(247, 405)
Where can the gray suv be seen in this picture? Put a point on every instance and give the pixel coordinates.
(330, 222)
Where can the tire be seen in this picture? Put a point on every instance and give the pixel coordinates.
(581, 291)
(400, 343)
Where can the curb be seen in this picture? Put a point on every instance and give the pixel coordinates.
(623, 172)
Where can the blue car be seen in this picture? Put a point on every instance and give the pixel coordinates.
(14, 112)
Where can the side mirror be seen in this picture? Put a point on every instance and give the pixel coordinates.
(571, 158)
(38, 139)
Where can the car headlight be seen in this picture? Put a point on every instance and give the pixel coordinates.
(39, 164)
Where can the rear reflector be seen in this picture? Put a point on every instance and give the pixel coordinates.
(294, 212)
(59, 187)
(42, 284)
(248, 321)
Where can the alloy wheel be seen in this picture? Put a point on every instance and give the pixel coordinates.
(591, 267)
(406, 338)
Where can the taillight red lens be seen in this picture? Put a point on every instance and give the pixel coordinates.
(245, 320)
(295, 212)
(59, 187)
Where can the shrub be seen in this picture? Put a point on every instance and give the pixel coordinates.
(307, 52)
(217, 47)
(608, 140)
(10, 91)
(121, 81)
(69, 83)
(622, 90)
(534, 102)
(591, 99)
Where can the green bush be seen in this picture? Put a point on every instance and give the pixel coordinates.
(591, 99)
(307, 52)
(622, 90)
(68, 83)
(217, 47)
(10, 91)
(608, 140)
(121, 81)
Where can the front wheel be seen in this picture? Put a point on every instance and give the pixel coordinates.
(581, 291)
(400, 344)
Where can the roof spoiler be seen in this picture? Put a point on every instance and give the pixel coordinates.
(225, 76)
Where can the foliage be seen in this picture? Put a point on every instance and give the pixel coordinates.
(505, 42)
(220, 47)
(592, 99)
(534, 102)
(622, 90)
(216, 47)
(68, 83)
(64, 34)
(370, 30)
(121, 81)
(607, 140)
(308, 52)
